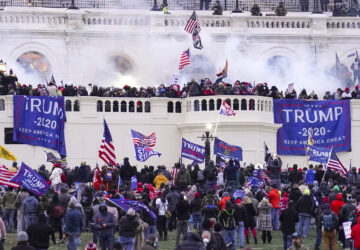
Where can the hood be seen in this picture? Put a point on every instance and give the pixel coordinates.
(339, 197)
(191, 237)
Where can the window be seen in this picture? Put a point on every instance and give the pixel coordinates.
(107, 106)
(218, 104)
(123, 106)
(211, 105)
(147, 107)
(68, 105)
(76, 106)
(203, 105)
(99, 106)
(131, 106)
(2, 104)
(170, 107)
(9, 136)
(116, 106)
(139, 107)
(196, 105)
(236, 104)
(178, 107)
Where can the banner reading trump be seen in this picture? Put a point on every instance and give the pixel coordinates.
(30, 180)
(192, 151)
(226, 150)
(40, 121)
(328, 122)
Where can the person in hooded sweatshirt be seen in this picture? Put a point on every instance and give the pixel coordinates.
(329, 222)
(337, 204)
(304, 207)
(288, 218)
(183, 216)
(126, 172)
(183, 179)
(355, 234)
(105, 224)
(191, 242)
(127, 227)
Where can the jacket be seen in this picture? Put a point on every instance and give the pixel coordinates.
(55, 176)
(23, 245)
(274, 198)
(9, 200)
(295, 176)
(31, 205)
(84, 173)
(264, 218)
(196, 205)
(230, 172)
(337, 204)
(172, 199)
(191, 242)
(305, 205)
(127, 226)
(160, 178)
(107, 219)
(223, 202)
(182, 178)
(224, 215)
(250, 218)
(73, 221)
(126, 172)
(183, 210)
(310, 176)
(355, 234)
(39, 235)
(288, 218)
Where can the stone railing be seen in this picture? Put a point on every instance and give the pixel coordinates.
(62, 19)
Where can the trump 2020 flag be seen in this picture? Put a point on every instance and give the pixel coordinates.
(143, 145)
(29, 179)
(226, 150)
(226, 109)
(134, 182)
(40, 121)
(319, 154)
(192, 151)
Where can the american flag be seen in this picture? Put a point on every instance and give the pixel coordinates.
(185, 59)
(50, 157)
(335, 164)
(143, 141)
(263, 176)
(5, 177)
(193, 24)
(107, 149)
(226, 109)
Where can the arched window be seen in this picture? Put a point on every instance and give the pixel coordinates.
(228, 101)
(107, 106)
(139, 107)
(2, 104)
(178, 107)
(115, 106)
(123, 106)
(218, 104)
(99, 106)
(131, 106)
(211, 105)
(243, 104)
(147, 107)
(68, 105)
(170, 107)
(236, 104)
(76, 106)
(251, 104)
(203, 105)
(196, 105)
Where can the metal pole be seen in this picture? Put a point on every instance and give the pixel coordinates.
(237, 10)
(72, 6)
(207, 148)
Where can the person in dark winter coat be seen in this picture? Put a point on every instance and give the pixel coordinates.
(288, 218)
(228, 222)
(126, 172)
(275, 167)
(105, 224)
(55, 217)
(305, 207)
(240, 211)
(191, 242)
(195, 206)
(295, 176)
(150, 243)
(127, 227)
(295, 193)
(329, 234)
(230, 176)
(183, 179)
(250, 219)
(39, 233)
(265, 223)
(172, 199)
(183, 216)
(23, 242)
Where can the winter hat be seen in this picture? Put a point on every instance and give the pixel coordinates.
(238, 201)
(22, 236)
(326, 200)
(307, 192)
(197, 195)
(336, 188)
(91, 246)
(285, 194)
(72, 204)
(131, 212)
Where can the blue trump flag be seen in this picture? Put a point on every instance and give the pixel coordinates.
(29, 179)
(143, 145)
(192, 151)
(40, 121)
(319, 154)
(136, 205)
(226, 150)
(134, 182)
(328, 122)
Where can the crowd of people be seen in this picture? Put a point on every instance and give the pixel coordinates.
(214, 208)
(9, 85)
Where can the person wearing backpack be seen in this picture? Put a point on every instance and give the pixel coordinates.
(30, 210)
(56, 212)
(210, 174)
(227, 220)
(329, 221)
(264, 220)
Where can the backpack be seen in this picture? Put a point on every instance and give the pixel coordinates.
(230, 220)
(200, 175)
(58, 212)
(211, 172)
(328, 222)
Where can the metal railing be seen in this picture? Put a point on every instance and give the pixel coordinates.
(245, 5)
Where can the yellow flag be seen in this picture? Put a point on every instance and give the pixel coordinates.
(6, 154)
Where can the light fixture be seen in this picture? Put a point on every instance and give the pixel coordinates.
(2, 66)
